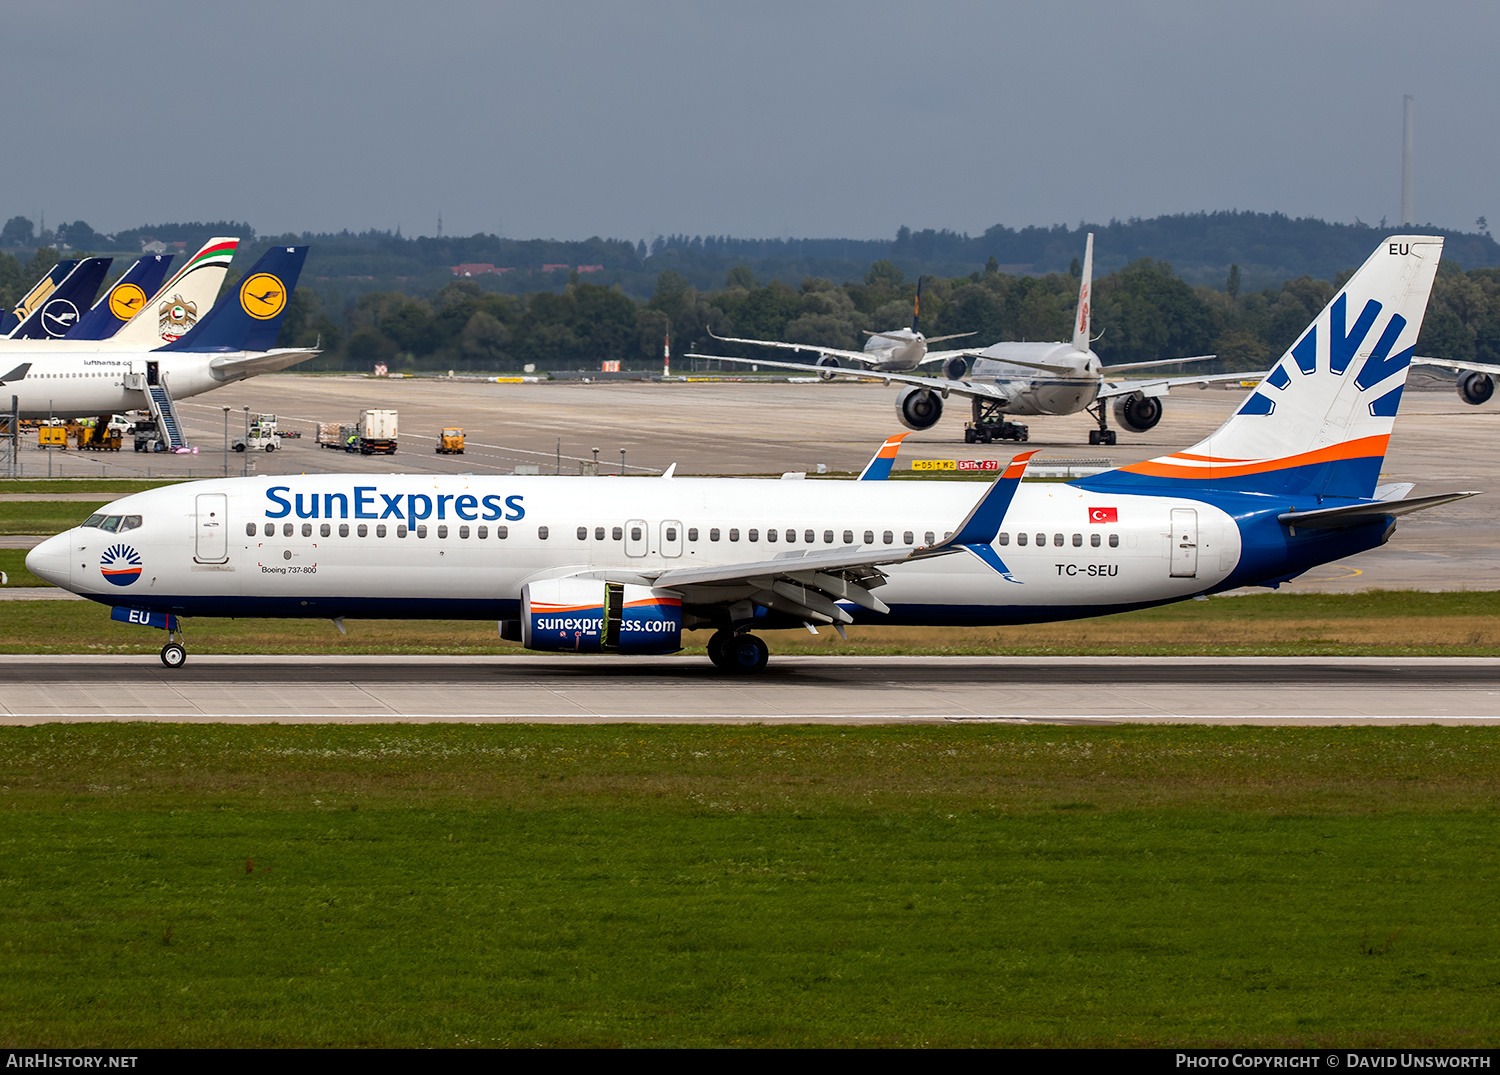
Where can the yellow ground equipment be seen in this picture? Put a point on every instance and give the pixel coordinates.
(96, 438)
(52, 437)
(451, 441)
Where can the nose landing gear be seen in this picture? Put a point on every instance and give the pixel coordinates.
(173, 655)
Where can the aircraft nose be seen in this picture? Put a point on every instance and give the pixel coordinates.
(52, 559)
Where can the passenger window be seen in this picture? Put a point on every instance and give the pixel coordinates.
(908, 538)
(1059, 539)
(271, 529)
(1077, 541)
(442, 531)
(848, 537)
(770, 535)
(791, 535)
(754, 535)
(1041, 539)
(1114, 541)
(463, 531)
(635, 533)
(364, 530)
(250, 529)
(888, 537)
(692, 533)
(480, 532)
(401, 530)
(1094, 540)
(671, 533)
(734, 535)
(286, 529)
(541, 533)
(827, 537)
(380, 529)
(713, 533)
(598, 533)
(343, 529)
(422, 530)
(307, 529)
(929, 538)
(869, 537)
(110, 524)
(583, 533)
(808, 537)
(502, 532)
(1000, 539)
(617, 533)
(1020, 539)
(325, 530)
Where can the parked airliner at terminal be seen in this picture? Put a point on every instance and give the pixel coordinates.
(588, 565)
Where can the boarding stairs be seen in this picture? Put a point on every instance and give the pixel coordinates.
(165, 413)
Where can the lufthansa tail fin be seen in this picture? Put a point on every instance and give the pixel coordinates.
(1319, 422)
(37, 295)
(1085, 298)
(124, 300)
(61, 307)
(249, 317)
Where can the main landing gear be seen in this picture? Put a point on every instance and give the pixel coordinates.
(1102, 435)
(738, 652)
(989, 425)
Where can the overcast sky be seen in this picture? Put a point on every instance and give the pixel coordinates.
(766, 118)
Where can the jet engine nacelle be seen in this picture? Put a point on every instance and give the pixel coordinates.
(918, 408)
(956, 369)
(831, 362)
(1137, 412)
(592, 616)
(1475, 387)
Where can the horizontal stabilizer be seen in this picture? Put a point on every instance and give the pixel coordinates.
(231, 368)
(1359, 514)
(17, 374)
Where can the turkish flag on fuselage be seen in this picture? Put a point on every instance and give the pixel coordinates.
(1104, 515)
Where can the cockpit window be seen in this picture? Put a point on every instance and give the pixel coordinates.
(111, 523)
(130, 522)
(94, 519)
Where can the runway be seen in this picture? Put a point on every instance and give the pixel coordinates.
(843, 690)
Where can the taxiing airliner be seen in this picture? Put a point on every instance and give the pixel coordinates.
(591, 565)
(1020, 379)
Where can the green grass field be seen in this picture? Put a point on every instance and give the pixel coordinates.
(1369, 624)
(419, 886)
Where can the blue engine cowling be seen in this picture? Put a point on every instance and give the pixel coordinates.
(592, 616)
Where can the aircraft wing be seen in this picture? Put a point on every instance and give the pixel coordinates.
(1466, 367)
(941, 385)
(852, 356)
(944, 356)
(1126, 367)
(235, 367)
(1162, 387)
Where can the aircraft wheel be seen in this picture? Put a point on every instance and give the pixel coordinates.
(747, 654)
(716, 646)
(173, 655)
(968, 436)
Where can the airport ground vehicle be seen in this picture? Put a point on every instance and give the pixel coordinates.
(52, 436)
(377, 432)
(450, 441)
(261, 438)
(582, 565)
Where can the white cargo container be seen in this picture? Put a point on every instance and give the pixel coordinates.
(377, 432)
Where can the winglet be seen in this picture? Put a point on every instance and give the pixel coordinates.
(878, 469)
(1081, 320)
(980, 526)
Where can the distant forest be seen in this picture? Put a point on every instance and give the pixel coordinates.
(1240, 285)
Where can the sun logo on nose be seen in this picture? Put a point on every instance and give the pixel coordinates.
(120, 565)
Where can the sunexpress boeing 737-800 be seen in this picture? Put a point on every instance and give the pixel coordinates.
(588, 565)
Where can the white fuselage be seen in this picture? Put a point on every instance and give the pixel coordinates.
(1033, 391)
(896, 351)
(81, 385)
(336, 545)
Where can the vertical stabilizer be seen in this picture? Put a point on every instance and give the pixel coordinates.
(182, 300)
(124, 300)
(249, 316)
(1319, 423)
(61, 310)
(1085, 298)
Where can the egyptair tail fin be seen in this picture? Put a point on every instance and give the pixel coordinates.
(1320, 421)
